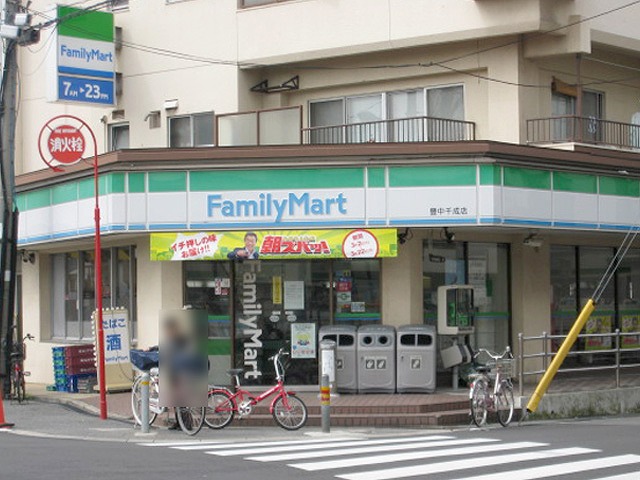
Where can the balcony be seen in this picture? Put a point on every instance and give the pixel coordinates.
(590, 130)
(415, 129)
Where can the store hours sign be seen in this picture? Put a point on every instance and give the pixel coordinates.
(84, 58)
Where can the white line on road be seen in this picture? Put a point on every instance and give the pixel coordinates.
(297, 446)
(399, 457)
(562, 468)
(465, 463)
(360, 449)
(624, 476)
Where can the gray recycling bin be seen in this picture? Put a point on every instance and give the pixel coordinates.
(416, 361)
(376, 359)
(346, 347)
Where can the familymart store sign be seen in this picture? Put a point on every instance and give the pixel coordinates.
(84, 60)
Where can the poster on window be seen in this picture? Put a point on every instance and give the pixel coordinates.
(303, 340)
(599, 324)
(630, 323)
(293, 295)
(478, 278)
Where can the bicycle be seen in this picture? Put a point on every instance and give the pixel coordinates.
(491, 390)
(190, 419)
(18, 355)
(287, 410)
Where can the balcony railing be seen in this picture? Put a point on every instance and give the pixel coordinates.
(583, 130)
(415, 129)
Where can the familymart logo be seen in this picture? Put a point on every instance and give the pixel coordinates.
(277, 207)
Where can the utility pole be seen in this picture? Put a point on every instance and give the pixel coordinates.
(15, 30)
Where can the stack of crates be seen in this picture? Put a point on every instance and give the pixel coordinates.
(74, 368)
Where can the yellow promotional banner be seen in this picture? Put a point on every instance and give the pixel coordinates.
(275, 244)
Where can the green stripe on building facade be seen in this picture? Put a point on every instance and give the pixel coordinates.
(436, 176)
(167, 182)
(297, 179)
(527, 178)
(625, 187)
(575, 182)
(376, 177)
(490, 175)
(136, 182)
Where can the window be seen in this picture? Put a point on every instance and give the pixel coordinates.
(586, 128)
(485, 266)
(73, 292)
(118, 136)
(418, 115)
(191, 130)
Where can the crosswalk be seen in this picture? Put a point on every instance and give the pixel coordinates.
(426, 456)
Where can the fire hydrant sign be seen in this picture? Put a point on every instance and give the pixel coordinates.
(66, 144)
(118, 368)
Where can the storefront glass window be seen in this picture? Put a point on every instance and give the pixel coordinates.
(593, 263)
(284, 303)
(356, 290)
(485, 266)
(488, 272)
(208, 287)
(628, 290)
(564, 291)
(73, 290)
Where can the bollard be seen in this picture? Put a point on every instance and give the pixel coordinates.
(328, 363)
(144, 402)
(325, 403)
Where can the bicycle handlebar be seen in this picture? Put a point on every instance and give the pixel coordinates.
(495, 356)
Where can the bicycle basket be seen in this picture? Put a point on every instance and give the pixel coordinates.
(506, 366)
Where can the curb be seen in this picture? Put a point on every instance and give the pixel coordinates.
(80, 407)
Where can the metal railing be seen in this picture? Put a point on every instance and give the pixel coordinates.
(414, 129)
(583, 130)
(614, 354)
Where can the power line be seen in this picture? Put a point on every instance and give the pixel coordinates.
(545, 32)
(442, 64)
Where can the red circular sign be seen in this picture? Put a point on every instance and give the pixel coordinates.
(66, 144)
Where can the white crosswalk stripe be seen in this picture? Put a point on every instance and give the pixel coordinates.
(473, 458)
(387, 447)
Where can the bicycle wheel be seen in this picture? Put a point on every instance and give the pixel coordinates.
(190, 419)
(289, 412)
(504, 403)
(478, 402)
(18, 387)
(136, 400)
(220, 409)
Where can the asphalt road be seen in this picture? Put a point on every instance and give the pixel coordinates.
(592, 449)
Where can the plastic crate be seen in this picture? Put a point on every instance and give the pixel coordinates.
(80, 369)
(72, 381)
(80, 361)
(79, 350)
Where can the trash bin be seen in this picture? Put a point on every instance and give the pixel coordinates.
(416, 361)
(346, 364)
(376, 359)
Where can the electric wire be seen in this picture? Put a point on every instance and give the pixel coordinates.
(212, 61)
(615, 262)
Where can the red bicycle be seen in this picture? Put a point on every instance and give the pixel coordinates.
(18, 355)
(288, 410)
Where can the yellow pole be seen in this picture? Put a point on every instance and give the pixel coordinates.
(559, 357)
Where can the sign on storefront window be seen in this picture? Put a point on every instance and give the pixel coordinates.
(276, 245)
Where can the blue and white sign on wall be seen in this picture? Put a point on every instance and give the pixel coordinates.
(84, 58)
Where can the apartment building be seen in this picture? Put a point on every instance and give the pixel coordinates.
(490, 143)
